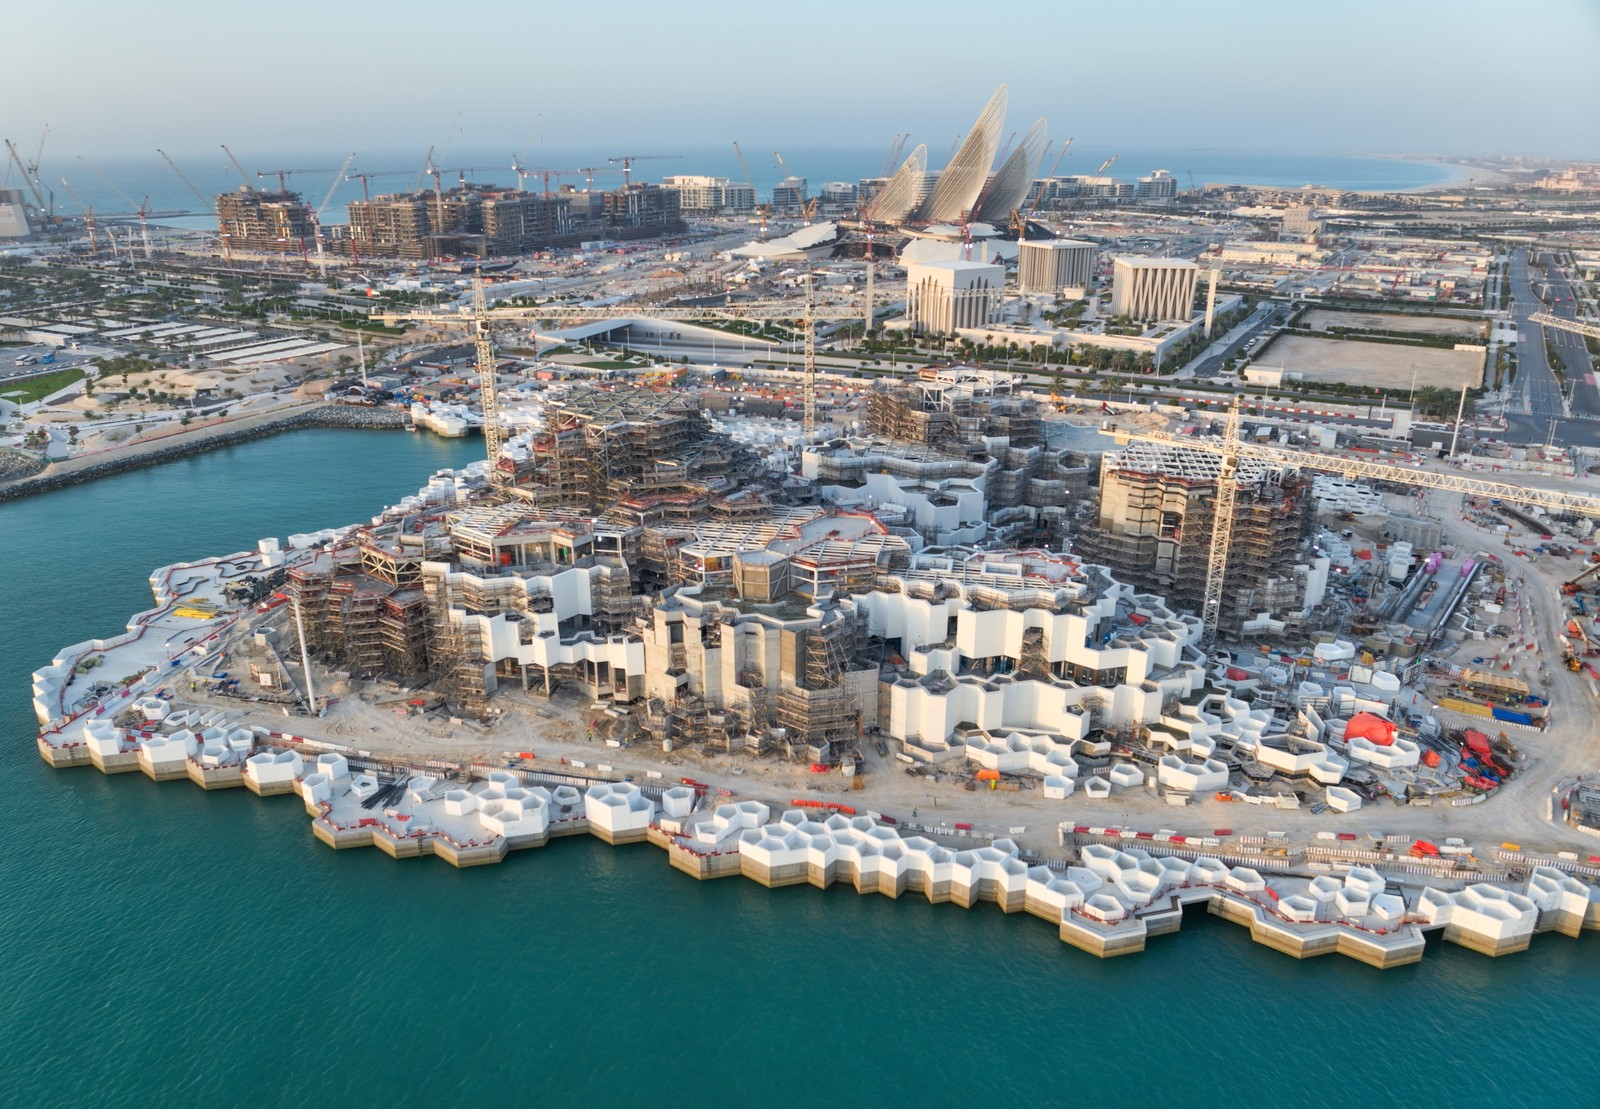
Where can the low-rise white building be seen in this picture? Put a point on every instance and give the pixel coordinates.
(942, 297)
(1153, 288)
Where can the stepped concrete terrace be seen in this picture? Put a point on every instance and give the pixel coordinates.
(1109, 901)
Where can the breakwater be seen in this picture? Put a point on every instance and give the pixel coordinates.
(1106, 901)
(137, 456)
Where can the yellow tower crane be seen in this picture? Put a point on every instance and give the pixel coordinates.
(482, 318)
(1232, 449)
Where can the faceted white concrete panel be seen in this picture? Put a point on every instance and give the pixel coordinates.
(1341, 799)
(460, 802)
(334, 766)
(1125, 775)
(1398, 755)
(1191, 777)
(1057, 787)
(1364, 881)
(678, 802)
(617, 807)
(1243, 879)
(1298, 908)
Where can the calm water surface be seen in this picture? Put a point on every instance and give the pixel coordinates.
(159, 945)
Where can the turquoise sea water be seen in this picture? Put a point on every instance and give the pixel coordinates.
(150, 176)
(160, 945)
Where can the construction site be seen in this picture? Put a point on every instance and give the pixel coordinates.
(485, 221)
(1156, 516)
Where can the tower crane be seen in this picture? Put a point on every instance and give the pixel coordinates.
(627, 161)
(762, 210)
(250, 186)
(283, 175)
(33, 186)
(1019, 219)
(366, 194)
(589, 172)
(523, 173)
(30, 174)
(431, 170)
(316, 216)
(422, 175)
(1232, 450)
(1546, 319)
(482, 319)
(144, 230)
(225, 239)
(140, 210)
(88, 217)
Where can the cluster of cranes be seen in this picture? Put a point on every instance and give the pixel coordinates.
(434, 167)
(1230, 447)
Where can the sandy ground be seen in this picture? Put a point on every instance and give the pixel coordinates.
(565, 730)
(1386, 365)
(1321, 319)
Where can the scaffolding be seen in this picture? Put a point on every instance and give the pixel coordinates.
(817, 709)
(1156, 516)
(403, 623)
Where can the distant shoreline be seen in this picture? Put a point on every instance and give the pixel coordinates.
(1461, 175)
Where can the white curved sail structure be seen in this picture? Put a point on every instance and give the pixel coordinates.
(1010, 186)
(899, 196)
(963, 179)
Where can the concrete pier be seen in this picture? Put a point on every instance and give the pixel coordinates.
(1110, 905)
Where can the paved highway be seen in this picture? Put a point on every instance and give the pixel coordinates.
(1536, 398)
(1569, 347)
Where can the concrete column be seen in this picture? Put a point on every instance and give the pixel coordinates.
(1211, 300)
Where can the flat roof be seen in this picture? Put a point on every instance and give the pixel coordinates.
(1139, 261)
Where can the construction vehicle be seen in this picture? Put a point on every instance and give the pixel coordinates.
(1573, 586)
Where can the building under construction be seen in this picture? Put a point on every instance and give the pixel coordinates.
(726, 673)
(362, 603)
(637, 456)
(484, 221)
(469, 221)
(275, 222)
(1154, 525)
(944, 407)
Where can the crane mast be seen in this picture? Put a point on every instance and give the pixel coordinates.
(488, 386)
(88, 217)
(1233, 449)
(761, 209)
(482, 317)
(1221, 530)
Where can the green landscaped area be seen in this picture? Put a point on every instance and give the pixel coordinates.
(33, 388)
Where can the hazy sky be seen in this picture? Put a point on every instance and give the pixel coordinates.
(1445, 76)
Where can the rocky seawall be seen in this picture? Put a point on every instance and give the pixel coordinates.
(23, 475)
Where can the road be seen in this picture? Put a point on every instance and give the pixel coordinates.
(1569, 347)
(1536, 410)
(1256, 324)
